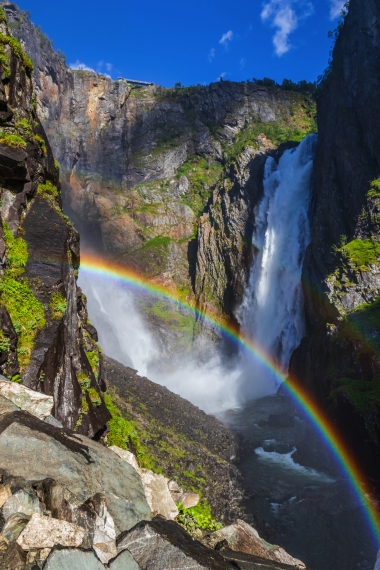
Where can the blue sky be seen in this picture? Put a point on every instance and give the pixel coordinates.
(166, 41)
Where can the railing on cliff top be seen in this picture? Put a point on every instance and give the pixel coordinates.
(136, 82)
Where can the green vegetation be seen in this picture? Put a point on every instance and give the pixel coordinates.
(93, 358)
(4, 60)
(47, 190)
(41, 143)
(26, 312)
(25, 127)
(361, 253)
(169, 314)
(202, 177)
(374, 191)
(17, 50)
(297, 128)
(3, 18)
(4, 342)
(57, 306)
(199, 517)
(363, 395)
(125, 433)
(17, 253)
(94, 396)
(13, 141)
(287, 85)
(84, 381)
(57, 166)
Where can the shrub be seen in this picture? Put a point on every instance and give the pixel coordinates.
(362, 253)
(47, 190)
(18, 51)
(24, 126)
(93, 358)
(41, 143)
(199, 517)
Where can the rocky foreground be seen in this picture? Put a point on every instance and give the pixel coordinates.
(69, 502)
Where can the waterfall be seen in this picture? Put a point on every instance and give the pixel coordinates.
(272, 310)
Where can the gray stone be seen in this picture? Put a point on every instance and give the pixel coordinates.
(23, 501)
(33, 402)
(78, 463)
(124, 561)
(53, 422)
(104, 539)
(158, 495)
(125, 456)
(6, 406)
(164, 545)
(72, 559)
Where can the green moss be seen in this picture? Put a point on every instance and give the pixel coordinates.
(93, 358)
(57, 306)
(17, 50)
(199, 517)
(41, 143)
(13, 141)
(170, 315)
(94, 396)
(4, 60)
(4, 342)
(24, 126)
(26, 312)
(374, 191)
(84, 381)
(17, 253)
(362, 253)
(57, 166)
(3, 18)
(363, 395)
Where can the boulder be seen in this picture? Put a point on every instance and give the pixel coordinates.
(126, 456)
(164, 545)
(23, 501)
(76, 462)
(158, 495)
(124, 561)
(35, 403)
(6, 406)
(241, 537)
(70, 559)
(45, 532)
(186, 498)
(14, 558)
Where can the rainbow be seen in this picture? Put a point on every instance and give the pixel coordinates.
(95, 265)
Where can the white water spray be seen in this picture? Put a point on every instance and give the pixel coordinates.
(272, 310)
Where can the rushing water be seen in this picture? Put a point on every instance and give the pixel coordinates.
(272, 310)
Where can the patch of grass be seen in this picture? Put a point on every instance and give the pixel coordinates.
(374, 191)
(362, 253)
(4, 60)
(169, 314)
(84, 381)
(4, 342)
(57, 306)
(202, 177)
(26, 312)
(18, 51)
(93, 358)
(25, 127)
(17, 253)
(94, 396)
(41, 143)
(199, 517)
(3, 18)
(13, 141)
(363, 395)
(123, 432)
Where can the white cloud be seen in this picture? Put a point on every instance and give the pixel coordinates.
(109, 67)
(227, 37)
(336, 8)
(242, 63)
(285, 15)
(221, 76)
(211, 54)
(79, 65)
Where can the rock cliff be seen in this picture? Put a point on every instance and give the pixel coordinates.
(339, 358)
(46, 340)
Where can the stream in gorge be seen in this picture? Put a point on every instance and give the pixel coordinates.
(299, 498)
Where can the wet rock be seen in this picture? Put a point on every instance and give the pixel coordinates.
(126, 456)
(76, 462)
(61, 559)
(163, 545)
(158, 495)
(45, 532)
(124, 561)
(31, 401)
(241, 537)
(23, 501)
(283, 420)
